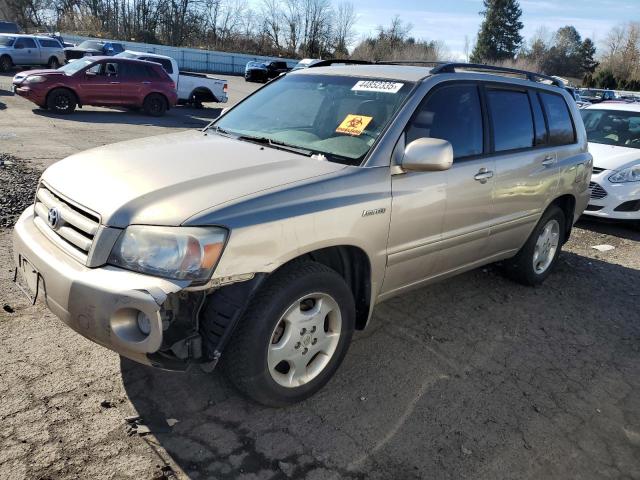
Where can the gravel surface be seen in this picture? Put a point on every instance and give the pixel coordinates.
(18, 181)
(472, 378)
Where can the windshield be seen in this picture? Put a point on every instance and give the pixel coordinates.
(6, 41)
(612, 127)
(91, 44)
(336, 116)
(591, 93)
(75, 66)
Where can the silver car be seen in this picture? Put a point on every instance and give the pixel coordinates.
(271, 235)
(30, 50)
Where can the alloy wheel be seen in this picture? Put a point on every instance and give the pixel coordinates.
(546, 246)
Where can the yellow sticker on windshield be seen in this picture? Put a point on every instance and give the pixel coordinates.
(354, 124)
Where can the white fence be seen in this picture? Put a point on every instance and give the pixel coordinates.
(192, 59)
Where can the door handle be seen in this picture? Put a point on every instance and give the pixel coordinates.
(483, 175)
(114, 83)
(549, 160)
(146, 83)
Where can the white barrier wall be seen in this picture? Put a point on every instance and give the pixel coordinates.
(192, 59)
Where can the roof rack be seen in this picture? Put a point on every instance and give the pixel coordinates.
(447, 67)
(531, 76)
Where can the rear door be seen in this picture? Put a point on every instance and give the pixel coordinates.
(137, 79)
(48, 48)
(25, 51)
(525, 164)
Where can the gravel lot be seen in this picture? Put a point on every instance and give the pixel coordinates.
(475, 377)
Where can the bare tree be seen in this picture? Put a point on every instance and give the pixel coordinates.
(344, 21)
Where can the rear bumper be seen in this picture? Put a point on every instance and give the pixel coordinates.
(101, 304)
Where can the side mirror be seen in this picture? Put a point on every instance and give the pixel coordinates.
(428, 155)
(90, 74)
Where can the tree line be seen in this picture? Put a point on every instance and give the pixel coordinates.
(324, 29)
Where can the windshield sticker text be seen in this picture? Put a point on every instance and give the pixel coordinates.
(354, 124)
(377, 86)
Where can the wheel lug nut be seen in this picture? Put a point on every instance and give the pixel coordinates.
(305, 351)
(297, 345)
(313, 329)
(303, 331)
(314, 341)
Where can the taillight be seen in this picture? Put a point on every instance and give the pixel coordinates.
(224, 89)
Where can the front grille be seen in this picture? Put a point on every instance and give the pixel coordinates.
(73, 54)
(597, 170)
(597, 191)
(75, 227)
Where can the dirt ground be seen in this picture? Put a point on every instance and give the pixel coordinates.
(475, 377)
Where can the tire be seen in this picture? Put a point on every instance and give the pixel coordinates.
(61, 101)
(5, 63)
(275, 317)
(537, 258)
(53, 63)
(155, 105)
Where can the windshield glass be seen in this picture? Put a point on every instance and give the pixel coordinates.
(6, 41)
(337, 116)
(591, 93)
(91, 44)
(612, 127)
(75, 66)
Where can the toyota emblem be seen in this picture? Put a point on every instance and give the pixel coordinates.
(54, 217)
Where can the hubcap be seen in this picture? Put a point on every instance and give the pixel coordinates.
(546, 246)
(304, 340)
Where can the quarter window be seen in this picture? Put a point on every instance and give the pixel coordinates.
(451, 113)
(561, 130)
(511, 119)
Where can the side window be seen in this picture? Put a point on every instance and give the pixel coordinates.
(111, 69)
(561, 130)
(511, 119)
(25, 42)
(49, 43)
(450, 113)
(538, 120)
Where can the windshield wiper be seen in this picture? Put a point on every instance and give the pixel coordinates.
(276, 144)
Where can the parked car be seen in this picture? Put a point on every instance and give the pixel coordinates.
(193, 88)
(306, 63)
(90, 48)
(29, 50)
(9, 27)
(270, 236)
(592, 95)
(613, 130)
(103, 81)
(264, 71)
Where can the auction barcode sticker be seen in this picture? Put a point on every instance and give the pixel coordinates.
(377, 86)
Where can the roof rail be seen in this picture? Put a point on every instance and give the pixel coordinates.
(339, 61)
(532, 76)
(409, 62)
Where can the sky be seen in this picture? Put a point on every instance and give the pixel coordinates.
(451, 20)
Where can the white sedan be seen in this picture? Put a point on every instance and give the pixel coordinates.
(613, 131)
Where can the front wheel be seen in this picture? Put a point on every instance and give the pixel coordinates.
(293, 336)
(61, 101)
(53, 64)
(538, 256)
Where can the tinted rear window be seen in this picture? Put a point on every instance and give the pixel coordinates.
(561, 131)
(511, 119)
(49, 43)
(26, 42)
(451, 113)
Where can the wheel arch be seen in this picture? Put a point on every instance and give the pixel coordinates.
(166, 99)
(63, 88)
(207, 94)
(567, 203)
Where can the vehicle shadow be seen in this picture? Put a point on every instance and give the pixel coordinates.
(180, 116)
(474, 377)
(617, 229)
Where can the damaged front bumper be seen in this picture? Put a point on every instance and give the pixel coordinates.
(102, 304)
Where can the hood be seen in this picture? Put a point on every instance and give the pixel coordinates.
(81, 49)
(166, 179)
(611, 157)
(19, 77)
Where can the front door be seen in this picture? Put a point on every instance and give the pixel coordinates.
(25, 52)
(440, 220)
(101, 84)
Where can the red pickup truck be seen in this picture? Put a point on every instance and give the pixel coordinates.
(101, 81)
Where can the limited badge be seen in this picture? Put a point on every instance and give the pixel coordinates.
(354, 124)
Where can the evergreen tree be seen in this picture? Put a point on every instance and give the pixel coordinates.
(499, 36)
(587, 54)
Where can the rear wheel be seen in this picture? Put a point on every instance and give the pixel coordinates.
(53, 63)
(61, 101)
(293, 336)
(538, 256)
(155, 105)
(5, 63)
